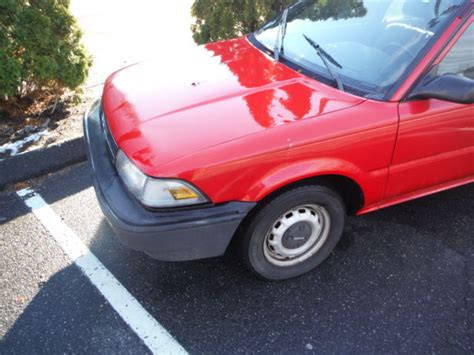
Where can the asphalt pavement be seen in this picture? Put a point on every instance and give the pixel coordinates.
(400, 281)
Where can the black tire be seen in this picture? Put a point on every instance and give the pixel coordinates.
(257, 226)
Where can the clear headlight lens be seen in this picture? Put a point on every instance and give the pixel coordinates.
(157, 193)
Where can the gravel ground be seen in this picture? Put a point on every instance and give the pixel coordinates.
(41, 129)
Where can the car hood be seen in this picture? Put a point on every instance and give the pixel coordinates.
(165, 109)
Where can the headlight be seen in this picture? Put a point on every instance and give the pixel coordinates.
(158, 193)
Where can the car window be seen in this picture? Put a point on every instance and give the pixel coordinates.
(374, 41)
(460, 59)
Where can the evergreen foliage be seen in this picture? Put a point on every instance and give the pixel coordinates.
(40, 49)
(224, 19)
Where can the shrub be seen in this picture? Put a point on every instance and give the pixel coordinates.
(224, 19)
(40, 49)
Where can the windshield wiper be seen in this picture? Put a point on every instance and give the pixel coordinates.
(434, 21)
(278, 49)
(326, 58)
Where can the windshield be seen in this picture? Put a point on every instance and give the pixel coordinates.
(373, 40)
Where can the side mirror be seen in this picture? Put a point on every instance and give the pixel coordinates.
(448, 87)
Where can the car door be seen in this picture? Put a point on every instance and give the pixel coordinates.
(435, 144)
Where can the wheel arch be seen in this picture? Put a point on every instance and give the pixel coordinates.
(342, 177)
(349, 190)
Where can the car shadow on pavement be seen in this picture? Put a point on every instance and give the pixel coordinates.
(67, 182)
(396, 282)
(447, 216)
(69, 315)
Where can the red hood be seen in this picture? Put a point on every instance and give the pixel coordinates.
(160, 111)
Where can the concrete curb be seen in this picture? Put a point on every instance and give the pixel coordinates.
(41, 161)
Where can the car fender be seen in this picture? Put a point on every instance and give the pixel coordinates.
(371, 183)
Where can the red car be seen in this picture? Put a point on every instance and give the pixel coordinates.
(270, 140)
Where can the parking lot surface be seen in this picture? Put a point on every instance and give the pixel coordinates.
(401, 280)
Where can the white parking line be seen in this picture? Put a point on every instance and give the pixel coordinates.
(140, 321)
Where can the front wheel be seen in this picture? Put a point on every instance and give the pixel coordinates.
(293, 232)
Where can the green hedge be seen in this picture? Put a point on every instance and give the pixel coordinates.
(40, 49)
(224, 19)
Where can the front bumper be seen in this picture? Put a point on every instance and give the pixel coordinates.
(183, 234)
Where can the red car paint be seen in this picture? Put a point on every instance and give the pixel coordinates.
(240, 125)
